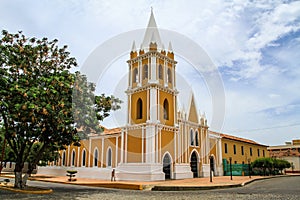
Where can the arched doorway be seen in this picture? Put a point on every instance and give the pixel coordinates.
(167, 166)
(194, 164)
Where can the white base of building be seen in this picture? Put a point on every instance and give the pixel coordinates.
(205, 170)
(140, 172)
(182, 171)
(82, 172)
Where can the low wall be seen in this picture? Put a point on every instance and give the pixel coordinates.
(10, 167)
(82, 172)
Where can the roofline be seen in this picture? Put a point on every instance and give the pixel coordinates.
(234, 138)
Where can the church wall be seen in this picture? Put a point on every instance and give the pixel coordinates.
(167, 143)
(109, 143)
(134, 146)
(169, 97)
(95, 143)
(134, 99)
(83, 146)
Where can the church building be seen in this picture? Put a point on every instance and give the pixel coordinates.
(158, 142)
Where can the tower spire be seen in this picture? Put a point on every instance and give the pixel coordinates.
(151, 33)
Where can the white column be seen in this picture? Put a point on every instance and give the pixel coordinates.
(160, 145)
(126, 152)
(158, 105)
(102, 152)
(68, 162)
(122, 145)
(117, 149)
(153, 105)
(147, 109)
(78, 157)
(156, 144)
(166, 74)
(149, 68)
(130, 76)
(143, 136)
(153, 69)
(140, 71)
(90, 152)
(207, 146)
(186, 142)
(150, 143)
(175, 149)
(219, 148)
(129, 110)
(173, 76)
(174, 109)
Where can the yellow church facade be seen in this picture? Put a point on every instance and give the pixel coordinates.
(158, 142)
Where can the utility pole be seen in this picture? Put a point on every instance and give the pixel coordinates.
(230, 159)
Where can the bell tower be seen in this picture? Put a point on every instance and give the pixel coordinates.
(152, 93)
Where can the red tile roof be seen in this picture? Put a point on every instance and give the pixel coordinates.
(231, 137)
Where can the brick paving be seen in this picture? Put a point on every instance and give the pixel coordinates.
(193, 182)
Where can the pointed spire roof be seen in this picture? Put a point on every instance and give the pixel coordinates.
(133, 49)
(151, 34)
(170, 48)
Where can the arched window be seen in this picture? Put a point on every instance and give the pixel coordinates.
(169, 76)
(109, 157)
(83, 157)
(139, 109)
(197, 138)
(160, 72)
(166, 109)
(95, 157)
(135, 76)
(64, 158)
(192, 137)
(145, 74)
(73, 158)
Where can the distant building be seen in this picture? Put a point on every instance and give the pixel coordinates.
(290, 151)
(240, 150)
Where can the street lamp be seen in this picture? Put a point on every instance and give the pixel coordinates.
(210, 166)
(230, 159)
(249, 168)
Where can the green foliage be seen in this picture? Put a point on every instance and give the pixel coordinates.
(36, 104)
(265, 166)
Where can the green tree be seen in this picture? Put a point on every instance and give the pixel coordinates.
(37, 101)
(270, 165)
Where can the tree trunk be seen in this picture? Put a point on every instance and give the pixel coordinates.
(18, 176)
(31, 167)
(25, 178)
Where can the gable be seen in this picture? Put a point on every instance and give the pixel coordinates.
(193, 115)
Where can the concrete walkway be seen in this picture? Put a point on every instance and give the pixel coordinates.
(168, 185)
(183, 184)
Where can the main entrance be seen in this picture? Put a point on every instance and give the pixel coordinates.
(167, 166)
(194, 164)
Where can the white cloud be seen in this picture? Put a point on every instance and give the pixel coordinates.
(243, 38)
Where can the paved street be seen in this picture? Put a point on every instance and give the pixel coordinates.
(275, 188)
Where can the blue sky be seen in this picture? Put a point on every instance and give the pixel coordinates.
(254, 44)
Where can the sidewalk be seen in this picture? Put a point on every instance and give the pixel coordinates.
(168, 185)
(183, 184)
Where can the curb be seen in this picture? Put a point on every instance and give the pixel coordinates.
(191, 188)
(126, 186)
(41, 191)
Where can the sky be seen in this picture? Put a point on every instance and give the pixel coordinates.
(254, 45)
